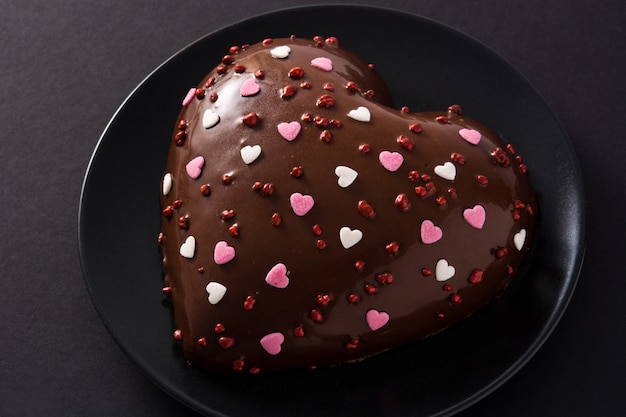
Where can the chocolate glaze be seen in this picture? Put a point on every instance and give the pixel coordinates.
(314, 313)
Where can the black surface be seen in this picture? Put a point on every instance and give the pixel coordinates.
(66, 66)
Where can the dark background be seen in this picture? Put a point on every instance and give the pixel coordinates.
(66, 66)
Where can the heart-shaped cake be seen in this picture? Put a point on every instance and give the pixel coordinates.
(307, 223)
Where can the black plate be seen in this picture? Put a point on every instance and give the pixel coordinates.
(428, 67)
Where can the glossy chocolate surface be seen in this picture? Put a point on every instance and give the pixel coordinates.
(391, 272)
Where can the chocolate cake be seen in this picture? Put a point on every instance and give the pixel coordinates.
(306, 222)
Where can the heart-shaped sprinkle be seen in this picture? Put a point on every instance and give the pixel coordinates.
(443, 270)
(446, 171)
(349, 237)
(216, 292)
(519, 239)
(360, 114)
(301, 204)
(470, 135)
(194, 167)
(391, 161)
(188, 248)
(190, 95)
(223, 253)
(249, 154)
(249, 88)
(475, 216)
(376, 319)
(272, 343)
(323, 63)
(429, 232)
(280, 52)
(346, 175)
(277, 276)
(289, 130)
(210, 119)
(167, 183)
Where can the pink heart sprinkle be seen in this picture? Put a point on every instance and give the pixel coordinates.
(277, 276)
(376, 319)
(190, 95)
(272, 342)
(325, 64)
(475, 216)
(194, 167)
(289, 131)
(249, 88)
(301, 204)
(391, 161)
(430, 233)
(223, 253)
(470, 135)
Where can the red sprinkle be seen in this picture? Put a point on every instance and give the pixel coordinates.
(298, 331)
(332, 40)
(326, 136)
(267, 41)
(384, 278)
(168, 211)
(426, 272)
(364, 148)
(405, 142)
(238, 364)
(511, 149)
(306, 117)
(179, 138)
(458, 158)
(226, 179)
(329, 87)
(250, 119)
(501, 252)
(482, 180)
(239, 68)
(227, 214)
(199, 93)
(402, 202)
(201, 269)
(392, 248)
(213, 97)
(476, 276)
(233, 230)
(316, 315)
(442, 119)
(414, 176)
(366, 210)
(219, 328)
(267, 190)
(177, 203)
(359, 265)
(220, 70)
(249, 302)
(416, 128)
(455, 108)
(234, 50)
(320, 244)
(167, 290)
(226, 342)
(352, 87)
(296, 73)
(259, 74)
(441, 201)
(370, 289)
(183, 222)
(451, 192)
(227, 60)
(369, 94)
(447, 287)
(523, 168)
(182, 124)
(202, 341)
(287, 91)
(323, 299)
(276, 219)
(254, 370)
(305, 85)
(178, 335)
(352, 344)
(405, 109)
(296, 171)
(205, 189)
(317, 230)
(353, 298)
(320, 121)
(455, 299)
(325, 101)
(209, 82)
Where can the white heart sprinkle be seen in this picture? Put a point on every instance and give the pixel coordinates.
(349, 237)
(346, 175)
(446, 171)
(167, 183)
(280, 51)
(210, 119)
(519, 239)
(443, 270)
(249, 154)
(216, 292)
(188, 248)
(360, 114)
